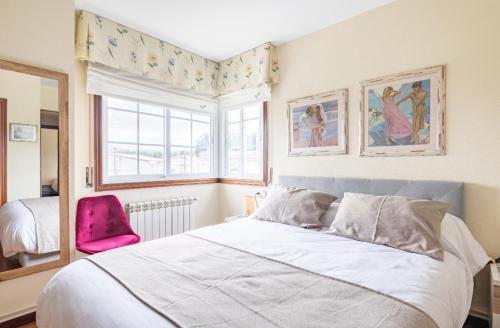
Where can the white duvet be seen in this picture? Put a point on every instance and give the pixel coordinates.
(17, 229)
(82, 295)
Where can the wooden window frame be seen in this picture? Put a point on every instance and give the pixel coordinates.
(100, 185)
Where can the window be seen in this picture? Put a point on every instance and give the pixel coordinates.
(245, 143)
(141, 144)
(146, 142)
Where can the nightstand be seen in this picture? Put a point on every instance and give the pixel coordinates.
(234, 218)
(495, 296)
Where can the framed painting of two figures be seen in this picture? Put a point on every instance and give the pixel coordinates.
(404, 114)
(400, 115)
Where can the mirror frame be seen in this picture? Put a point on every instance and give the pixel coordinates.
(62, 79)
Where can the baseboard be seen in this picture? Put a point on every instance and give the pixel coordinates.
(18, 318)
(479, 314)
(20, 313)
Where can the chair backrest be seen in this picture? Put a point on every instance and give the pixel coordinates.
(99, 218)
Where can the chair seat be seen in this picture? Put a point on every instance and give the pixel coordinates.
(102, 245)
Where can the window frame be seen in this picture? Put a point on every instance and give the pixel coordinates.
(262, 181)
(146, 181)
(217, 134)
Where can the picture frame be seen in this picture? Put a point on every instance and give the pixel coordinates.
(317, 125)
(404, 114)
(23, 132)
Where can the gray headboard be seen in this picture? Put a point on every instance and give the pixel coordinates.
(446, 191)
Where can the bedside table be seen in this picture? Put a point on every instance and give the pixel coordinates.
(234, 218)
(495, 296)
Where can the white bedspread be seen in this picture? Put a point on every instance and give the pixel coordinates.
(82, 295)
(18, 230)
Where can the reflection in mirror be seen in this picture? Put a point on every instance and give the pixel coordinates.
(29, 130)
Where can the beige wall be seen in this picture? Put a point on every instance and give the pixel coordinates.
(22, 92)
(37, 33)
(405, 35)
(49, 97)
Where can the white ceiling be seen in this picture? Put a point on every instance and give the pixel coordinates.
(219, 29)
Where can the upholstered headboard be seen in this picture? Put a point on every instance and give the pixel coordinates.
(446, 191)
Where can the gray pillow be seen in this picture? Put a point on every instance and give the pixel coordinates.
(327, 218)
(294, 206)
(412, 225)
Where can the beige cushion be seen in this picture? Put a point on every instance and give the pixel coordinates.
(411, 225)
(294, 206)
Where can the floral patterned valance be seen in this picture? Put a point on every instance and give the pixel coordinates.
(250, 69)
(103, 41)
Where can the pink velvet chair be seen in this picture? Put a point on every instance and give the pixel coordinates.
(101, 225)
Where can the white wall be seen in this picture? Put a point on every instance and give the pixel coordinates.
(22, 92)
(405, 35)
(37, 33)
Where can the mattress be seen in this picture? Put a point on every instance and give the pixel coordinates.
(83, 295)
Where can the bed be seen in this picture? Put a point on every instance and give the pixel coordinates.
(29, 228)
(342, 282)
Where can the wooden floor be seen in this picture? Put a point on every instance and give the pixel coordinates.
(30, 325)
(473, 322)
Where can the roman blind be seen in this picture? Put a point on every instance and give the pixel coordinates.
(104, 42)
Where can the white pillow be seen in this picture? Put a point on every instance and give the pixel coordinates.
(457, 239)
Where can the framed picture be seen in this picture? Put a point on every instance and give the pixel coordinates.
(317, 125)
(23, 132)
(404, 114)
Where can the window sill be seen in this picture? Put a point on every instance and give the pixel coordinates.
(152, 184)
(180, 182)
(245, 182)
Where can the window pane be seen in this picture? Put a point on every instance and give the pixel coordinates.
(233, 115)
(122, 159)
(122, 126)
(233, 162)
(251, 130)
(122, 104)
(151, 109)
(151, 129)
(180, 114)
(201, 135)
(180, 160)
(251, 112)
(201, 160)
(204, 118)
(251, 154)
(180, 132)
(252, 159)
(234, 136)
(151, 160)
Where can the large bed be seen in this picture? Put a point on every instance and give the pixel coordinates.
(29, 229)
(273, 275)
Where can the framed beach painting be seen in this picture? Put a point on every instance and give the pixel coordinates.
(317, 125)
(404, 114)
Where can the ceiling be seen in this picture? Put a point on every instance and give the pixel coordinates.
(219, 29)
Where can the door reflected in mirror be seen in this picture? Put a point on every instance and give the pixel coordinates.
(29, 162)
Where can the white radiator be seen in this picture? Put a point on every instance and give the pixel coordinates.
(161, 218)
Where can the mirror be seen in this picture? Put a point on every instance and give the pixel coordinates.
(33, 170)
